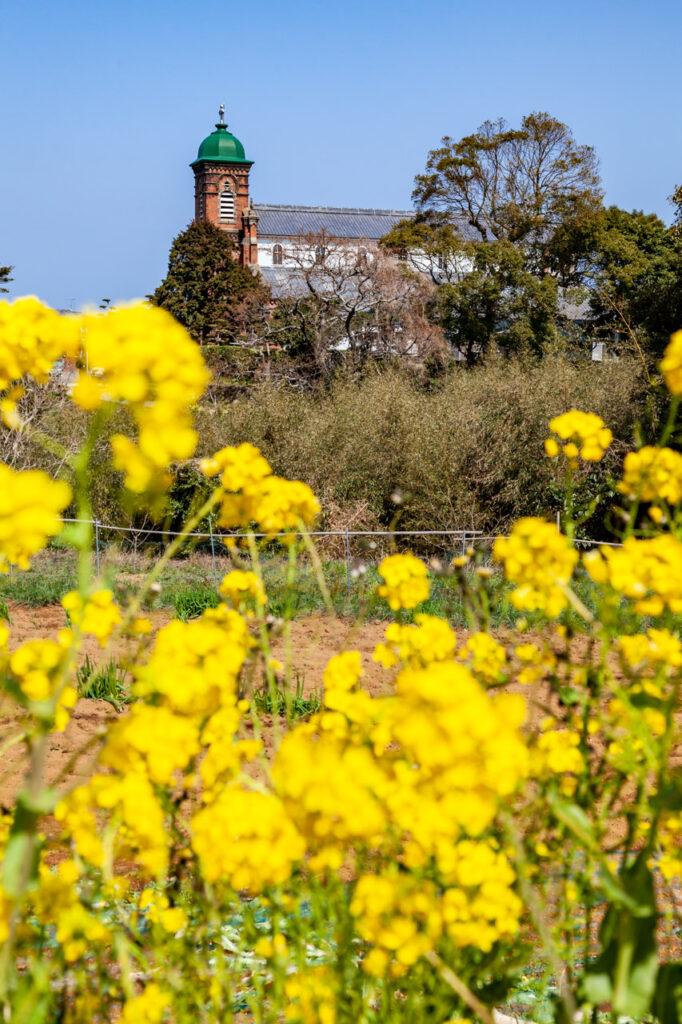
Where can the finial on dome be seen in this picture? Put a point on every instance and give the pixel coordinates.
(221, 113)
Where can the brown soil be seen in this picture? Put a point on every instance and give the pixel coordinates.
(72, 754)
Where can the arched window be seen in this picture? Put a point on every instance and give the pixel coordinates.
(320, 253)
(277, 255)
(226, 204)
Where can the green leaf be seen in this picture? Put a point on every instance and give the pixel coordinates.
(625, 972)
(22, 853)
(667, 1005)
(575, 819)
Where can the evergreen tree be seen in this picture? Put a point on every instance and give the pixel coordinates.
(206, 289)
(5, 278)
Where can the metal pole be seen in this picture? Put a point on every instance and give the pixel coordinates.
(464, 543)
(348, 563)
(97, 544)
(215, 571)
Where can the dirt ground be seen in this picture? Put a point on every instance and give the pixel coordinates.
(314, 639)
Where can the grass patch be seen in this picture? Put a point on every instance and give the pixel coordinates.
(286, 704)
(191, 600)
(37, 587)
(103, 682)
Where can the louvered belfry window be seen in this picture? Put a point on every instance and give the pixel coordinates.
(226, 206)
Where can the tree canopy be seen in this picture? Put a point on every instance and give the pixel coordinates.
(511, 184)
(206, 289)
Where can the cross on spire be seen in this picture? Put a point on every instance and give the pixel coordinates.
(221, 113)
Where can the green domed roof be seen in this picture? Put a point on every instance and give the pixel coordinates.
(221, 147)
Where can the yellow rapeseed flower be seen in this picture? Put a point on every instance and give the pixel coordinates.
(540, 561)
(32, 338)
(140, 355)
(652, 474)
(648, 571)
(246, 839)
(405, 581)
(671, 364)
(30, 507)
(583, 434)
(99, 614)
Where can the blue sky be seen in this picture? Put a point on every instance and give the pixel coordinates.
(105, 104)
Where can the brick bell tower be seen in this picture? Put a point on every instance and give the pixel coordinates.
(221, 190)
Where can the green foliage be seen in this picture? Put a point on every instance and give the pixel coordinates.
(284, 702)
(103, 682)
(498, 301)
(466, 452)
(35, 588)
(624, 974)
(636, 278)
(207, 290)
(514, 184)
(5, 278)
(4, 612)
(533, 199)
(190, 601)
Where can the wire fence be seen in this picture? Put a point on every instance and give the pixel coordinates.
(126, 551)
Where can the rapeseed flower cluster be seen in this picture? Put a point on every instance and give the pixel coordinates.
(540, 561)
(37, 675)
(194, 666)
(311, 996)
(30, 508)
(487, 659)
(652, 474)
(671, 364)
(657, 649)
(398, 916)
(57, 904)
(242, 589)
(247, 839)
(98, 615)
(535, 663)
(33, 338)
(405, 581)
(148, 1007)
(142, 356)
(648, 572)
(426, 640)
(251, 494)
(583, 434)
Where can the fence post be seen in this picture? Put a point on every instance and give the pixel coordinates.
(347, 564)
(215, 571)
(97, 544)
(464, 543)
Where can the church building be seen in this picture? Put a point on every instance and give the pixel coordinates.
(262, 231)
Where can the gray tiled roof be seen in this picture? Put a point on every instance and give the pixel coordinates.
(293, 221)
(284, 282)
(281, 221)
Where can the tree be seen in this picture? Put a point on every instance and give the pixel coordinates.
(517, 185)
(497, 300)
(346, 305)
(206, 289)
(5, 278)
(636, 279)
(504, 218)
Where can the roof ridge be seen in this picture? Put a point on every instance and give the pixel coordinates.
(288, 208)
